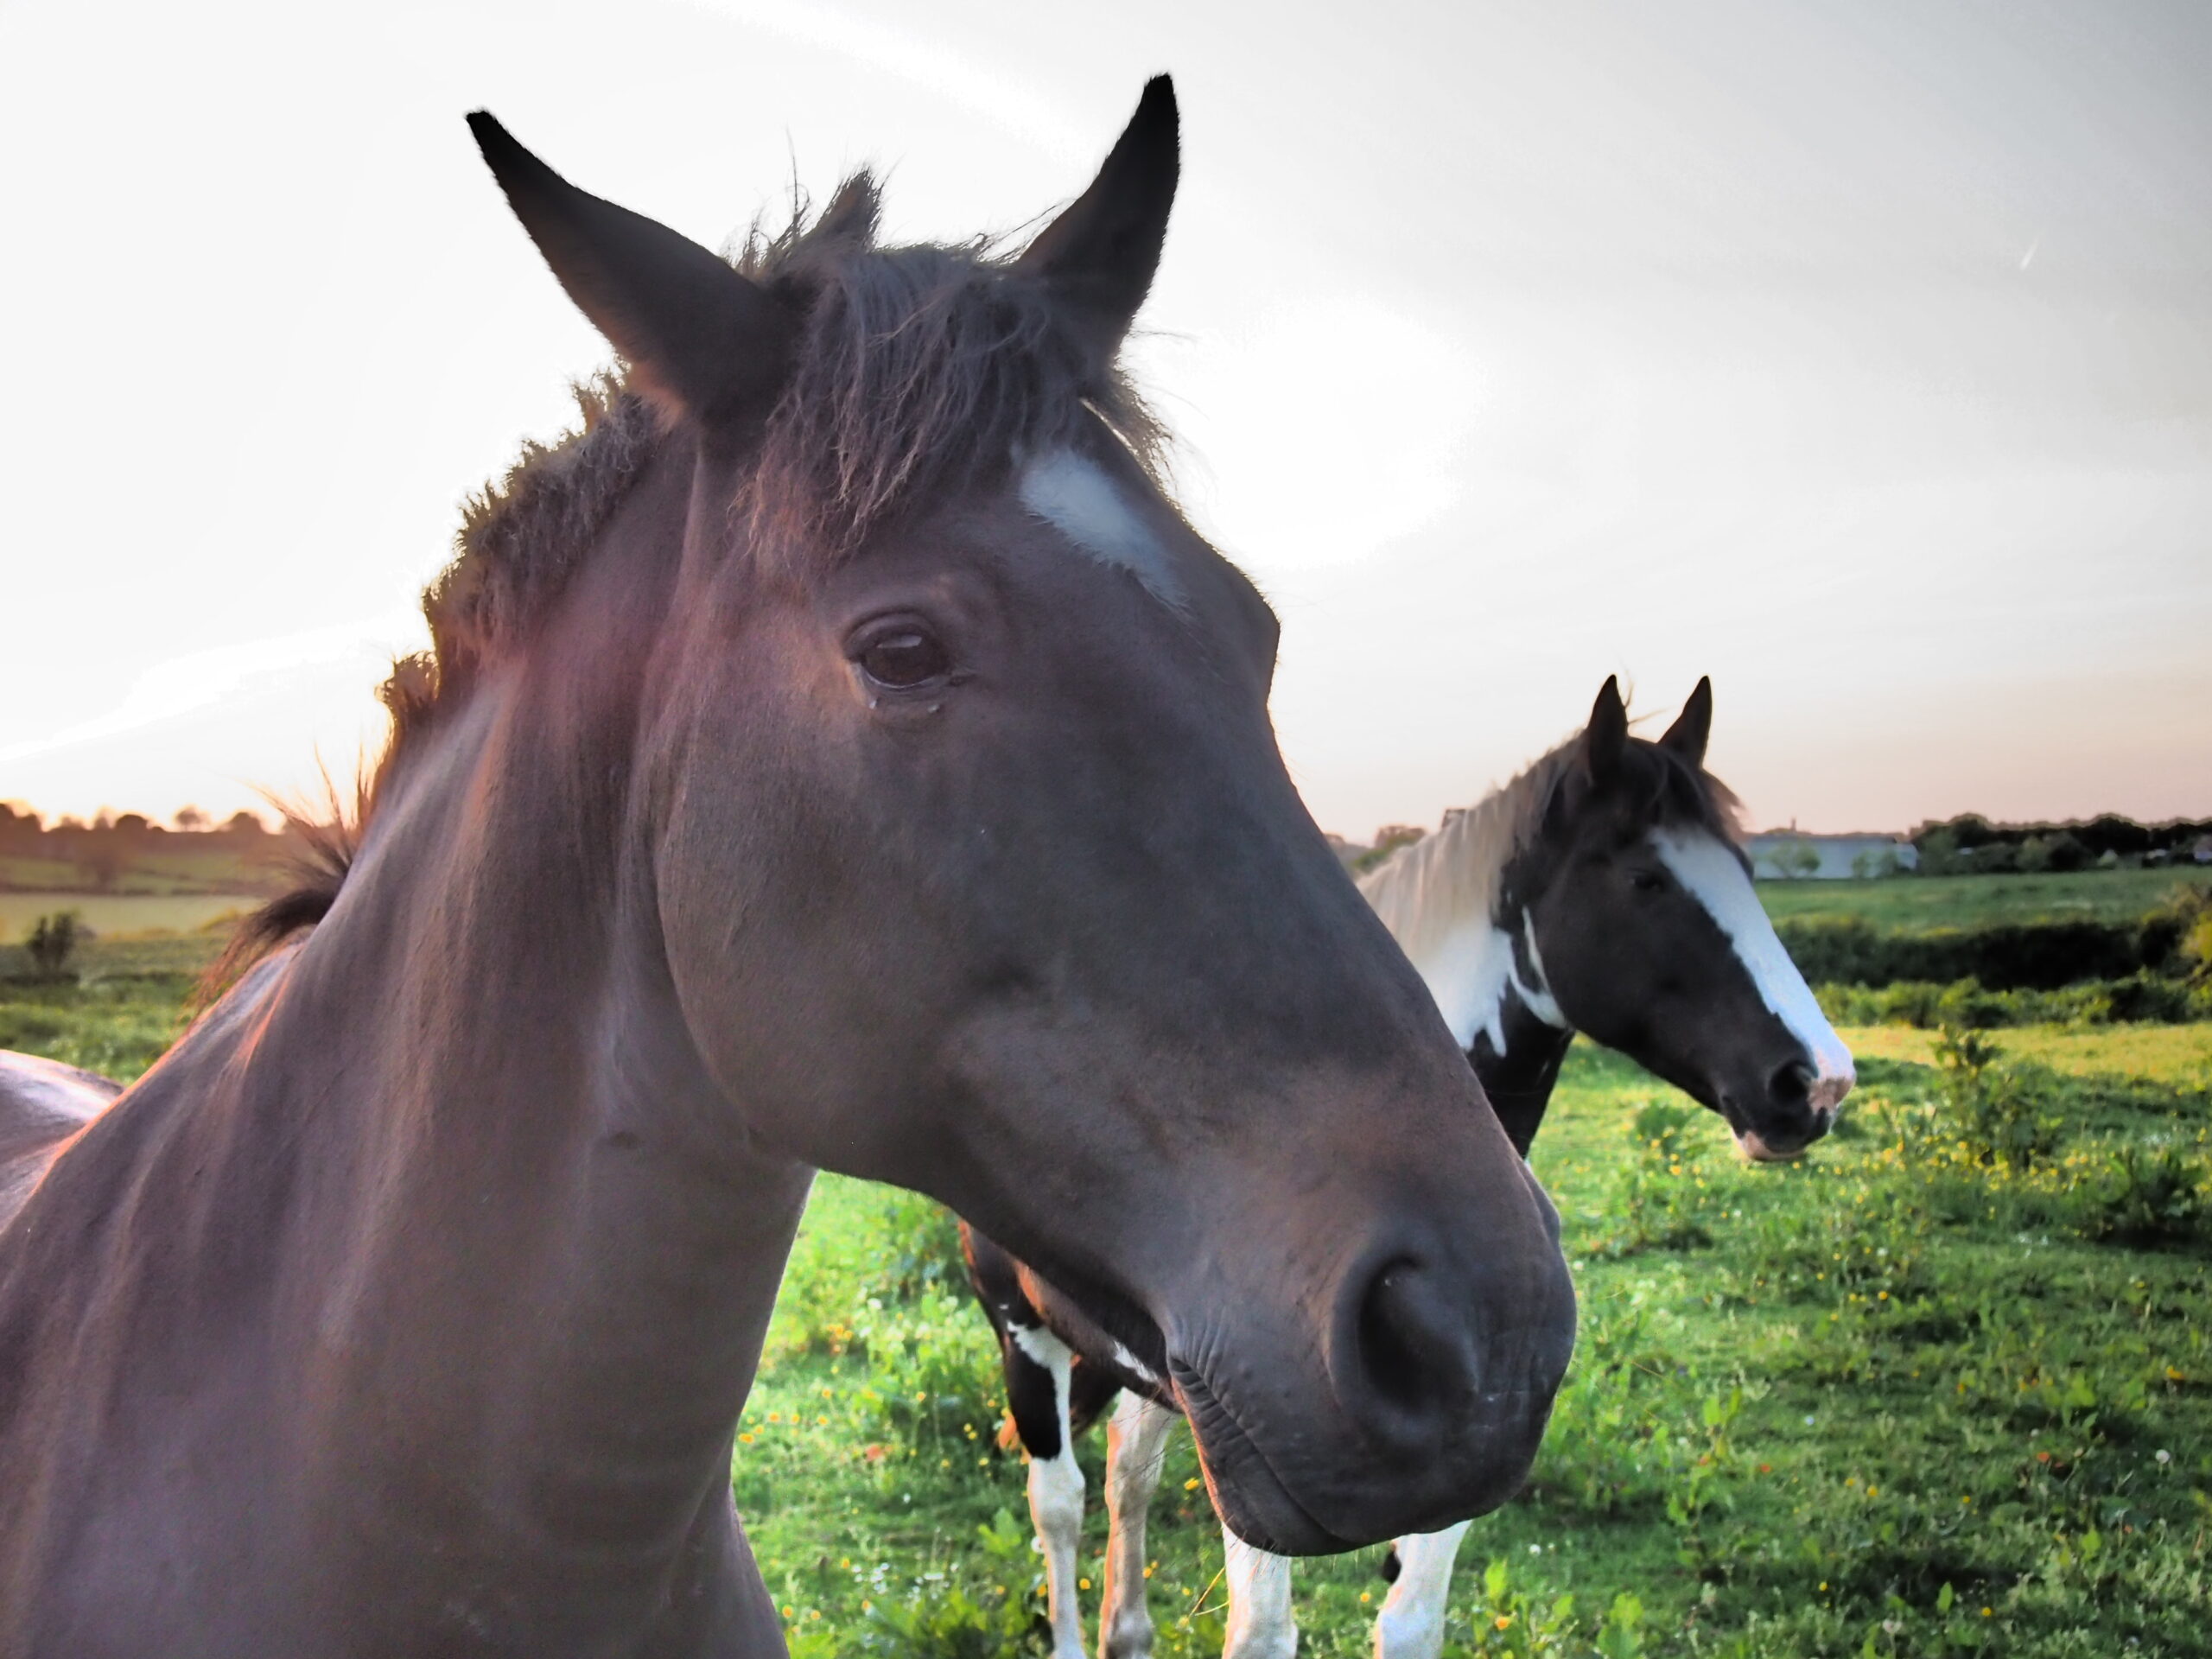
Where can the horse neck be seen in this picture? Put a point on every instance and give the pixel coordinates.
(1451, 900)
(508, 1170)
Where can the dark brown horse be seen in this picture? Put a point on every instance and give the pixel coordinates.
(840, 755)
(1602, 891)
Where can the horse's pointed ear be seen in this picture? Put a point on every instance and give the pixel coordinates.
(1606, 738)
(1693, 727)
(1100, 254)
(700, 338)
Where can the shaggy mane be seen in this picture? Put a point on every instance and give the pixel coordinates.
(919, 372)
(1424, 891)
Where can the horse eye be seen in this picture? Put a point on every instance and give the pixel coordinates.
(1646, 880)
(903, 659)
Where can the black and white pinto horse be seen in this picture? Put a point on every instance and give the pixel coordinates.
(1602, 891)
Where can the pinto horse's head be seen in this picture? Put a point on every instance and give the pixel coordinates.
(975, 867)
(1652, 940)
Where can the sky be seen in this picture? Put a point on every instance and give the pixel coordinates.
(1858, 355)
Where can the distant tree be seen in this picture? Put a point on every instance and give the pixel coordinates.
(1939, 852)
(191, 819)
(2069, 852)
(1792, 857)
(1388, 840)
(243, 822)
(65, 821)
(2032, 856)
(1874, 864)
(54, 939)
(103, 860)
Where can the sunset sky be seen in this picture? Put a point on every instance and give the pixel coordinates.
(1857, 354)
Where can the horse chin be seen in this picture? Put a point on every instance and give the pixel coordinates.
(1250, 1497)
(1753, 1148)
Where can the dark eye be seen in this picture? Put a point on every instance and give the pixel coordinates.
(903, 657)
(1646, 880)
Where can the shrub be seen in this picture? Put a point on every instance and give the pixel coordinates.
(2149, 1195)
(1986, 1106)
(2040, 956)
(54, 939)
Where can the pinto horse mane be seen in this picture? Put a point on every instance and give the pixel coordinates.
(917, 371)
(1425, 890)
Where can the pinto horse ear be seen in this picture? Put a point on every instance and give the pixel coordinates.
(1693, 727)
(1099, 257)
(1606, 739)
(700, 340)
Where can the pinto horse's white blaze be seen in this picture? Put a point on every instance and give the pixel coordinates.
(1056, 1498)
(1711, 872)
(1071, 492)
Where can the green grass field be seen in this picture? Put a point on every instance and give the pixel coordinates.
(172, 865)
(1918, 903)
(1897, 1399)
(120, 915)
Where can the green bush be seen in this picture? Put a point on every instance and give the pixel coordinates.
(1988, 1107)
(2148, 1195)
(1970, 1005)
(54, 939)
(2042, 955)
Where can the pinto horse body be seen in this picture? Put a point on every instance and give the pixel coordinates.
(841, 755)
(1601, 891)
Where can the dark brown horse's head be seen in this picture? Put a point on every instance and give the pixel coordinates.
(1640, 906)
(977, 870)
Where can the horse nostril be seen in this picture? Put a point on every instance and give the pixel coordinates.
(1791, 1085)
(1413, 1352)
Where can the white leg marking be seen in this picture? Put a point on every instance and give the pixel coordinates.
(1711, 871)
(1056, 1501)
(1260, 1625)
(1137, 1438)
(1411, 1623)
(1072, 493)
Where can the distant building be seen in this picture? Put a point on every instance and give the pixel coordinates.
(1794, 854)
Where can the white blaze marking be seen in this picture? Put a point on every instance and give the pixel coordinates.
(1711, 871)
(1072, 492)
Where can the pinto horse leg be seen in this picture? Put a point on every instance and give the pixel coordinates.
(1037, 1374)
(1260, 1624)
(1411, 1623)
(1137, 1437)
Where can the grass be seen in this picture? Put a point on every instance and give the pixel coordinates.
(1892, 1400)
(110, 914)
(170, 865)
(1917, 903)
(1901, 1398)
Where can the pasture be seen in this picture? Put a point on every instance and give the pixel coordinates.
(1931, 1390)
(111, 914)
(1923, 903)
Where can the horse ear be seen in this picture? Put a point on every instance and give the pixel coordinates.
(1693, 727)
(1099, 257)
(700, 338)
(1606, 739)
